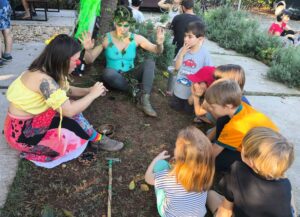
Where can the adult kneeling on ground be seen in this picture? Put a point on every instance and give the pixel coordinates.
(120, 51)
(42, 122)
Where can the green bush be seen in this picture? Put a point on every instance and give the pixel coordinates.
(148, 30)
(235, 30)
(241, 33)
(285, 66)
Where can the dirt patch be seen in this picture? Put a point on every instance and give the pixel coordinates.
(82, 190)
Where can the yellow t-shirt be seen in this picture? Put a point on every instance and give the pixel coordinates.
(244, 120)
(33, 102)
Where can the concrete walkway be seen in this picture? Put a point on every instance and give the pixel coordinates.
(283, 110)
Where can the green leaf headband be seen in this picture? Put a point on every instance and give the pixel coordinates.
(123, 14)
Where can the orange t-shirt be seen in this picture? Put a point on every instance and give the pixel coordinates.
(245, 119)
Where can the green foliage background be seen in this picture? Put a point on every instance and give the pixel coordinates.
(286, 66)
(236, 30)
(148, 30)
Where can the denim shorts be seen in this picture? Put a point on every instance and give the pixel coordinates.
(5, 13)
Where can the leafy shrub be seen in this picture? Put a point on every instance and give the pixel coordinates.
(236, 30)
(285, 66)
(148, 30)
(241, 33)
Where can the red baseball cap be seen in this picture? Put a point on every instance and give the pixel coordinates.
(205, 74)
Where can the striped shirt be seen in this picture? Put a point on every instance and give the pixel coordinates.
(178, 202)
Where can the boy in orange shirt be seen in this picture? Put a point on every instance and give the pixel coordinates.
(223, 98)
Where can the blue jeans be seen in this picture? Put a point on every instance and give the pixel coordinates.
(160, 194)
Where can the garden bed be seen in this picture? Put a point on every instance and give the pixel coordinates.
(73, 189)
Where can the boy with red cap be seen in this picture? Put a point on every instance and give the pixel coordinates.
(201, 81)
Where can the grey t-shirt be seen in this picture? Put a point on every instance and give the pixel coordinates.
(192, 62)
(137, 15)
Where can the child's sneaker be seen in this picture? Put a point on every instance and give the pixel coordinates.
(7, 58)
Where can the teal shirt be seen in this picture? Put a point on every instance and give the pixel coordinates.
(120, 60)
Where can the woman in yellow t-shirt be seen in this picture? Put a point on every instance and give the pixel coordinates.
(42, 122)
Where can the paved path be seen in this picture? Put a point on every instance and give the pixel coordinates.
(283, 110)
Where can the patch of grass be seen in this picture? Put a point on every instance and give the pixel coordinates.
(17, 192)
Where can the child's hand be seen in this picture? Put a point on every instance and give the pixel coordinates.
(87, 41)
(163, 155)
(185, 48)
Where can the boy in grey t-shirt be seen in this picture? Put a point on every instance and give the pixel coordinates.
(190, 58)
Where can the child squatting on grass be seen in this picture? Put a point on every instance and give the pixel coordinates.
(203, 79)
(181, 188)
(223, 98)
(257, 186)
(189, 60)
(200, 82)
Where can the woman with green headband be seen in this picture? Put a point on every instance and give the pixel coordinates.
(120, 51)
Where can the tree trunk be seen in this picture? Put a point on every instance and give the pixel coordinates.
(107, 11)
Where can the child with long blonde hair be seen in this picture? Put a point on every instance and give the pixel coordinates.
(181, 188)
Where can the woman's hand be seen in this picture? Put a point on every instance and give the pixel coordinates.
(98, 90)
(87, 41)
(160, 35)
(161, 156)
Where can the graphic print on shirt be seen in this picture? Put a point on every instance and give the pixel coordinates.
(187, 68)
(190, 63)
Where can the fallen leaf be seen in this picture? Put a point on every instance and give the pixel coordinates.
(165, 73)
(144, 187)
(68, 213)
(131, 185)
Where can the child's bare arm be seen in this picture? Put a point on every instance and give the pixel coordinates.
(199, 110)
(217, 149)
(212, 134)
(179, 60)
(225, 210)
(149, 175)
